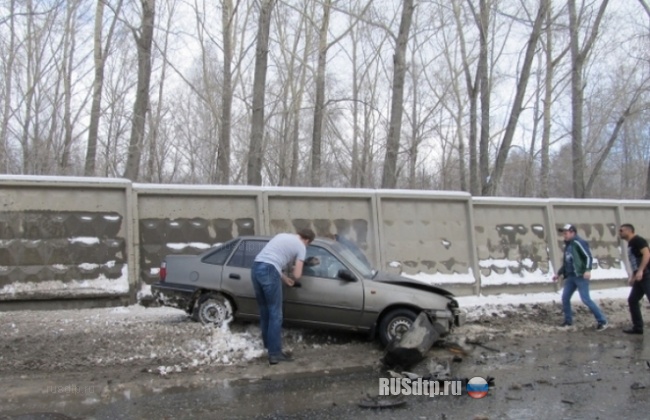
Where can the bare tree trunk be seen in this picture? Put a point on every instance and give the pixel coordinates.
(8, 89)
(647, 184)
(493, 183)
(153, 172)
(578, 59)
(319, 106)
(472, 90)
(548, 99)
(484, 79)
(100, 54)
(608, 148)
(354, 159)
(95, 109)
(143, 42)
(254, 173)
(69, 44)
(223, 150)
(389, 178)
(29, 96)
(414, 143)
(298, 94)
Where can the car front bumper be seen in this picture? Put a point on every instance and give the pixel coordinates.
(451, 317)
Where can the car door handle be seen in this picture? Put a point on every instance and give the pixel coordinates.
(235, 276)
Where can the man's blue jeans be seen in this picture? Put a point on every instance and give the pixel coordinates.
(268, 292)
(570, 285)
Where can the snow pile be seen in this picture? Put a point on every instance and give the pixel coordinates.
(503, 305)
(223, 346)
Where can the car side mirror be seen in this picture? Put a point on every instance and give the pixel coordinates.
(346, 275)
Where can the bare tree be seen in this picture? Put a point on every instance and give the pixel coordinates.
(579, 56)
(223, 151)
(490, 188)
(316, 147)
(389, 177)
(254, 173)
(10, 56)
(646, 7)
(473, 89)
(483, 23)
(143, 39)
(99, 52)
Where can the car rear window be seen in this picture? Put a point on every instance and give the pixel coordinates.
(246, 253)
(220, 256)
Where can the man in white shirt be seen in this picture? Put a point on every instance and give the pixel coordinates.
(267, 275)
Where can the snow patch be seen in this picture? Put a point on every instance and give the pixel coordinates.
(443, 278)
(145, 290)
(225, 347)
(181, 245)
(88, 240)
(101, 284)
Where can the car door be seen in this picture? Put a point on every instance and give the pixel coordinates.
(323, 298)
(236, 276)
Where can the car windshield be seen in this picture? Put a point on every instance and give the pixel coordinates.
(360, 264)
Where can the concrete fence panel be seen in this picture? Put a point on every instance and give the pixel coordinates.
(428, 236)
(596, 221)
(64, 237)
(512, 242)
(174, 219)
(350, 214)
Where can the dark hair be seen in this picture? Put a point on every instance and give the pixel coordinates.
(629, 226)
(307, 234)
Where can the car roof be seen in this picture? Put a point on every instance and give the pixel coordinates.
(318, 240)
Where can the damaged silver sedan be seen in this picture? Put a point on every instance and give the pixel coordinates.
(339, 289)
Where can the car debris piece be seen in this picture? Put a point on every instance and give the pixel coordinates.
(478, 343)
(414, 344)
(439, 370)
(378, 402)
(637, 385)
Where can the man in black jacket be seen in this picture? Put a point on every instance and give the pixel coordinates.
(639, 256)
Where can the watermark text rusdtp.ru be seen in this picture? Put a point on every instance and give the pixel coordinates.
(70, 389)
(419, 386)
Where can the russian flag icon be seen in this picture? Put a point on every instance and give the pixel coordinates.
(477, 387)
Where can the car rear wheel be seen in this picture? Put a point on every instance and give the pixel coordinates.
(394, 324)
(213, 309)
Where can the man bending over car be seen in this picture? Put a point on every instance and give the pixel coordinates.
(267, 275)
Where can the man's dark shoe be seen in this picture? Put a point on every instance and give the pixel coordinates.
(632, 331)
(566, 324)
(282, 357)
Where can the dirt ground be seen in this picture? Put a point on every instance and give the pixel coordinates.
(50, 360)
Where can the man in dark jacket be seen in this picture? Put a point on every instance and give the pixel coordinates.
(576, 270)
(639, 256)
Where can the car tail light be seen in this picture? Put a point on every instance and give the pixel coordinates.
(163, 271)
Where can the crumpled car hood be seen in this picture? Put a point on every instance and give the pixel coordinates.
(385, 277)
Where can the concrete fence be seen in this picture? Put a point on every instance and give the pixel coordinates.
(71, 239)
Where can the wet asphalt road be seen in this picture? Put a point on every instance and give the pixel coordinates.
(566, 375)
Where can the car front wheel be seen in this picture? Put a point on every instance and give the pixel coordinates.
(213, 309)
(394, 324)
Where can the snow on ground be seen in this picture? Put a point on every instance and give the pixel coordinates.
(524, 275)
(165, 341)
(478, 306)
